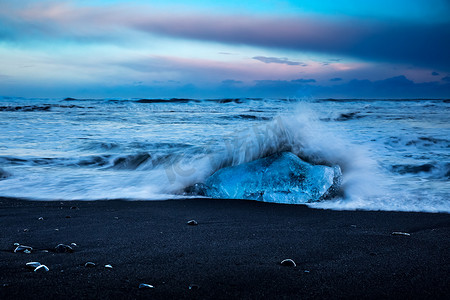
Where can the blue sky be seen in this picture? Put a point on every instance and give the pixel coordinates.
(225, 48)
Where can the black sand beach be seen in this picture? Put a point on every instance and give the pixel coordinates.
(234, 252)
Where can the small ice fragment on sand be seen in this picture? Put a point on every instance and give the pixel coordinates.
(61, 248)
(192, 222)
(40, 218)
(33, 265)
(108, 266)
(288, 263)
(41, 268)
(194, 286)
(73, 245)
(22, 248)
(400, 233)
(89, 264)
(146, 286)
(16, 244)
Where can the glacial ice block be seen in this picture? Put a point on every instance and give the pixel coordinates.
(280, 178)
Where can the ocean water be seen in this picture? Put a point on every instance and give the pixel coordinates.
(394, 154)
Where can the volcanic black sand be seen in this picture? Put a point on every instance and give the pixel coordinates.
(234, 252)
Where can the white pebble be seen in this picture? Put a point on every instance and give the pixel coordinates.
(400, 233)
(288, 263)
(33, 265)
(41, 268)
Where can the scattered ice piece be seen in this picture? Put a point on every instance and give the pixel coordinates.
(25, 230)
(108, 266)
(306, 271)
(89, 264)
(117, 218)
(22, 248)
(16, 244)
(26, 251)
(45, 251)
(61, 248)
(192, 222)
(400, 233)
(354, 226)
(41, 268)
(56, 229)
(40, 218)
(73, 245)
(288, 263)
(33, 265)
(194, 286)
(146, 286)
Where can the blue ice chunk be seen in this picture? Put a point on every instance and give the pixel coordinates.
(280, 178)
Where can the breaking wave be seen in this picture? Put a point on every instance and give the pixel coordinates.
(114, 166)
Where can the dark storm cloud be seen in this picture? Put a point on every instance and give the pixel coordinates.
(303, 80)
(231, 82)
(425, 45)
(278, 60)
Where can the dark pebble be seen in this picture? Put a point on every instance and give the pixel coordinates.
(22, 248)
(61, 248)
(194, 286)
(89, 264)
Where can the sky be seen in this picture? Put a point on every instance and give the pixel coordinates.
(216, 49)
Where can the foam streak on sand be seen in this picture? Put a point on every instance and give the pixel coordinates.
(393, 154)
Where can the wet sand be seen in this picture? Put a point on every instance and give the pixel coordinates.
(233, 253)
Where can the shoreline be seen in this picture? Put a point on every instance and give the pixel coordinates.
(234, 252)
